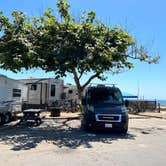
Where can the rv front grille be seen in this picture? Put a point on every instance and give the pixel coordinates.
(108, 117)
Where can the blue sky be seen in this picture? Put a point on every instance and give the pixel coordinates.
(143, 19)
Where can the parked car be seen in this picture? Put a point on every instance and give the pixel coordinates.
(105, 109)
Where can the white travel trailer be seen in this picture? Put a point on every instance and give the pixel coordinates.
(70, 98)
(42, 92)
(12, 94)
(70, 92)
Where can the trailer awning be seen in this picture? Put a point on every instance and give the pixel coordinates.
(129, 95)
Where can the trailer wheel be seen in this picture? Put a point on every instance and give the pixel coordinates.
(7, 118)
(38, 121)
(2, 119)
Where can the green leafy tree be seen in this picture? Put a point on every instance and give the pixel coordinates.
(64, 45)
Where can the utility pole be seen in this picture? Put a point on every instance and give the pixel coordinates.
(138, 89)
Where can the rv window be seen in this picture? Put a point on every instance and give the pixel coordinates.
(70, 91)
(33, 87)
(16, 92)
(105, 96)
(52, 90)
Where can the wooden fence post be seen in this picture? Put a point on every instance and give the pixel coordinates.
(159, 107)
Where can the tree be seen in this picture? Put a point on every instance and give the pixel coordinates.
(65, 45)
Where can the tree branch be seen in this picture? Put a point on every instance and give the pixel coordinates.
(81, 73)
(90, 79)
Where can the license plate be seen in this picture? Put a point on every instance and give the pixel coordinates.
(108, 125)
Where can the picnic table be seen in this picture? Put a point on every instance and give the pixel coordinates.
(31, 116)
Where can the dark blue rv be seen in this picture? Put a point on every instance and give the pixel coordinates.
(104, 108)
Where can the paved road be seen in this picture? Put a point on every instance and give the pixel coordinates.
(61, 142)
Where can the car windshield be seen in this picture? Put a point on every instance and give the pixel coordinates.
(98, 96)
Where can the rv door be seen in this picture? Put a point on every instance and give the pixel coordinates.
(37, 93)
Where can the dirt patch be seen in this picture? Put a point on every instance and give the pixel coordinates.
(63, 115)
(63, 142)
(154, 114)
(60, 133)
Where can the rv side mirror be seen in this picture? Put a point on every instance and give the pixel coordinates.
(83, 101)
(126, 103)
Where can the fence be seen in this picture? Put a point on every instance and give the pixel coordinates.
(142, 106)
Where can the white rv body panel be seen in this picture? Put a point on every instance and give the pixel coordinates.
(43, 91)
(58, 89)
(71, 92)
(12, 94)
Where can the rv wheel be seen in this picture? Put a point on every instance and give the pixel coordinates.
(124, 130)
(2, 119)
(85, 126)
(38, 121)
(7, 118)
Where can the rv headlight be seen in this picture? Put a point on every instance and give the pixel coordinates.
(123, 110)
(91, 108)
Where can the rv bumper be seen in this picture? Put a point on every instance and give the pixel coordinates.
(91, 122)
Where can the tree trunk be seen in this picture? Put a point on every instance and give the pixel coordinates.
(80, 94)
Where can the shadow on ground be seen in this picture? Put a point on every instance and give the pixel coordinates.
(60, 133)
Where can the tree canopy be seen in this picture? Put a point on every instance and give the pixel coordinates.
(64, 44)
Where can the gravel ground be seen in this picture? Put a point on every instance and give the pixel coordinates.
(62, 142)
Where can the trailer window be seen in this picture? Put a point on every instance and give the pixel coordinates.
(70, 91)
(16, 92)
(33, 87)
(52, 90)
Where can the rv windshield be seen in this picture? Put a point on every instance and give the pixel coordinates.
(100, 96)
